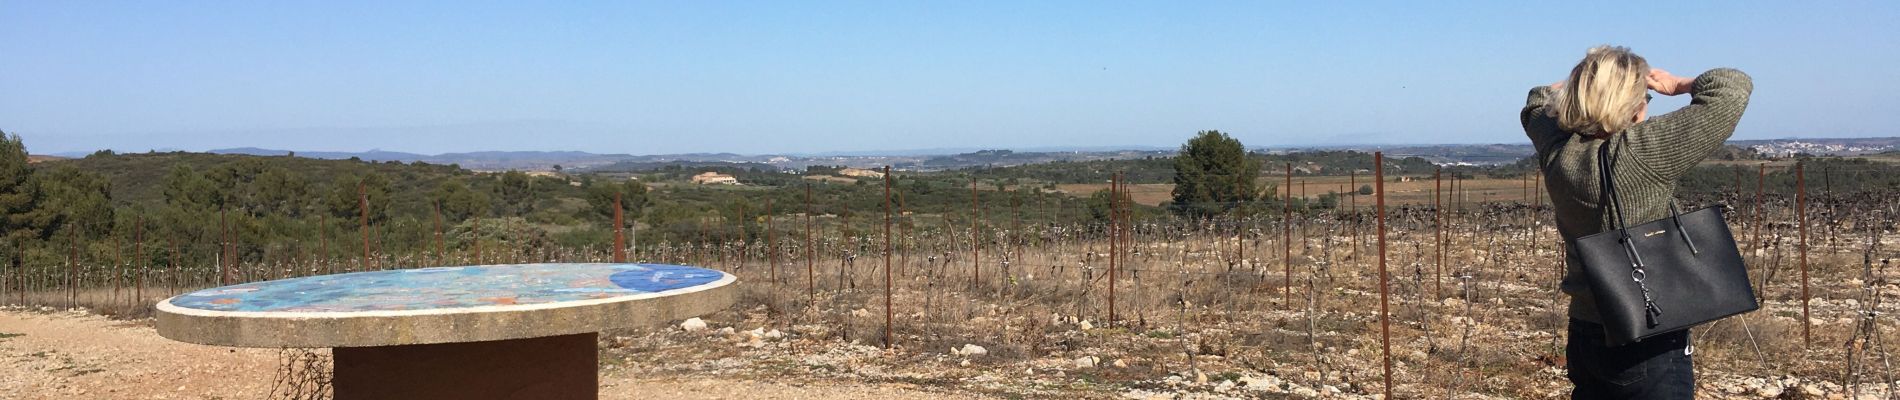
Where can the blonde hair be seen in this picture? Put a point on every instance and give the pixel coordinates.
(1603, 94)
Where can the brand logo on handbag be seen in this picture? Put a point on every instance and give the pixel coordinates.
(1654, 233)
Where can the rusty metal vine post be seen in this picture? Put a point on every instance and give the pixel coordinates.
(1438, 214)
(1114, 238)
(1761, 180)
(887, 258)
(436, 215)
(976, 242)
(1352, 196)
(811, 285)
(475, 232)
(1385, 312)
(118, 262)
(224, 249)
(72, 264)
(323, 241)
(1801, 212)
(771, 241)
(362, 195)
(138, 252)
(620, 246)
(1286, 234)
(177, 269)
(903, 231)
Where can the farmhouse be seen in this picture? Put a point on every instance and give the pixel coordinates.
(861, 173)
(714, 178)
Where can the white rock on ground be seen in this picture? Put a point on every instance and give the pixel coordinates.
(1085, 362)
(969, 350)
(693, 324)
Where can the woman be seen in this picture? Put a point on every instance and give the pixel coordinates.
(1605, 99)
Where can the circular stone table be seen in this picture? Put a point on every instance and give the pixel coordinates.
(491, 331)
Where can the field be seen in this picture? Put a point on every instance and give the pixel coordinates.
(1184, 310)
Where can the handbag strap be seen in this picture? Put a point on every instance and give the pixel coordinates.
(1607, 183)
(1638, 271)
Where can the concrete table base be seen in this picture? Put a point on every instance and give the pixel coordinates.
(554, 367)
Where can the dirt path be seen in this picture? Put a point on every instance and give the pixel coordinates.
(78, 355)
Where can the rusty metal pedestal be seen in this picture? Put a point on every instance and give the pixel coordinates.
(554, 368)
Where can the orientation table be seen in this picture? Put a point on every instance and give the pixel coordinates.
(490, 331)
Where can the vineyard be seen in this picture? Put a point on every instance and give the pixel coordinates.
(1423, 287)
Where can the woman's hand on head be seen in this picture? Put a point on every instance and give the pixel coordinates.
(1668, 84)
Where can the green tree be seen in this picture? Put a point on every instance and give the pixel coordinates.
(1099, 205)
(279, 191)
(16, 197)
(344, 199)
(1212, 176)
(516, 194)
(71, 199)
(458, 201)
(187, 190)
(633, 198)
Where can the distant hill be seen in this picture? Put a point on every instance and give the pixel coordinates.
(950, 159)
(1005, 158)
(479, 161)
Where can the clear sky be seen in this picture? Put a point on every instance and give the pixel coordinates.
(787, 77)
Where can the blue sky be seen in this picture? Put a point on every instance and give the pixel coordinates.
(786, 77)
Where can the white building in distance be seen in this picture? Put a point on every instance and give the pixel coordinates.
(714, 178)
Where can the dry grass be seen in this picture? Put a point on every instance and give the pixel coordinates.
(1400, 190)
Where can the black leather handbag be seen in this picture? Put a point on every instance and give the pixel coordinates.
(1664, 275)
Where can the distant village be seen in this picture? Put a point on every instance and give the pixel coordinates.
(1792, 148)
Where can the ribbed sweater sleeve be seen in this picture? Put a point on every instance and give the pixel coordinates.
(1538, 124)
(1668, 145)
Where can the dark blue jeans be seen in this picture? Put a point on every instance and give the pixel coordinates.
(1655, 368)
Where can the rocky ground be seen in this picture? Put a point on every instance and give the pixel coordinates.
(72, 354)
(49, 353)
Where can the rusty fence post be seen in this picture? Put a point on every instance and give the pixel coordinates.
(1801, 212)
(888, 338)
(620, 246)
(1114, 238)
(72, 264)
(811, 285)
(1385, 311)
(436, 215)
(1438, 246)
(976, 251)
(771, 241)
(138, 254)
(362, 195)
(1761, 180)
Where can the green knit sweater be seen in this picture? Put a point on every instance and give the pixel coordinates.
(1649, 157)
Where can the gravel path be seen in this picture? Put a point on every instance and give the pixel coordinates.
(79, 355)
